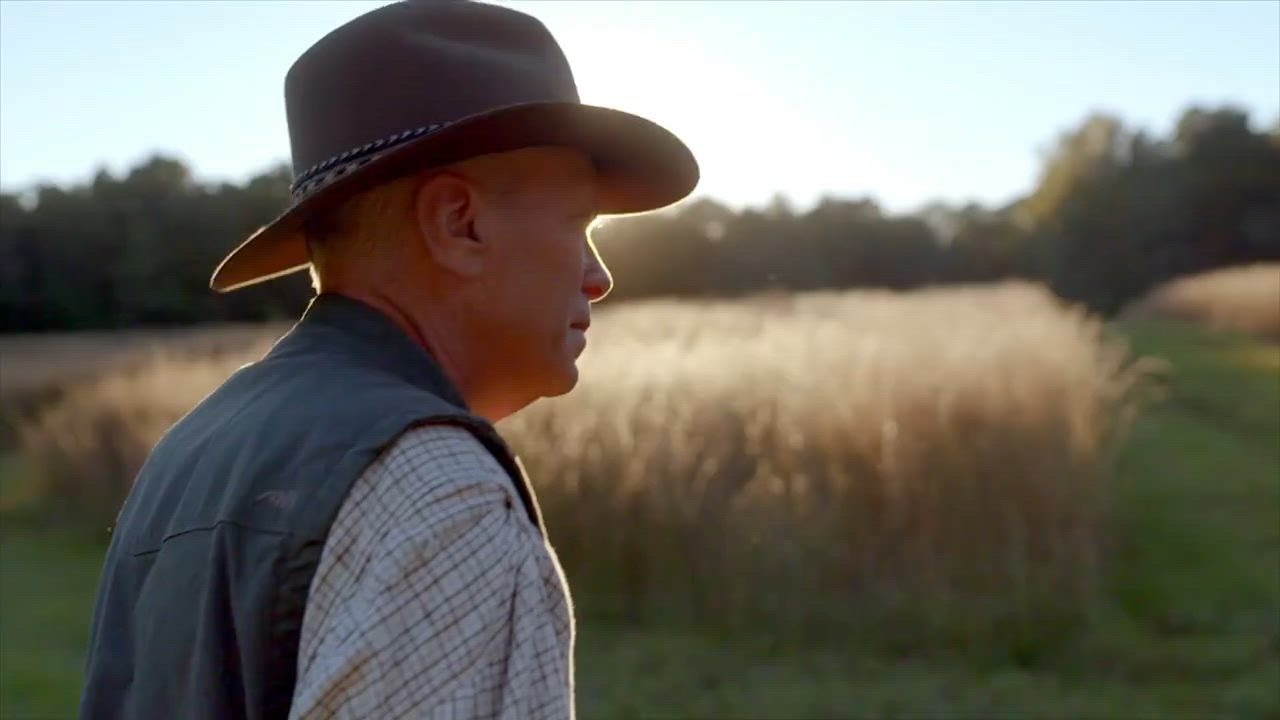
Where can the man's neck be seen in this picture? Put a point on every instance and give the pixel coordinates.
(440, 340)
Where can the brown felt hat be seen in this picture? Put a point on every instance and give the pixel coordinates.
(426, 83)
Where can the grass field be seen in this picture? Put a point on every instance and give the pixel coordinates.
(1234, 299)
(1186, 622)
(34, 362)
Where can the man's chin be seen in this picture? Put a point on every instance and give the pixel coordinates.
(563, 381)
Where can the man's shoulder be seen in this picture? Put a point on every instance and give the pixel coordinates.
(296, 400)
(436, 463)
(441, 448)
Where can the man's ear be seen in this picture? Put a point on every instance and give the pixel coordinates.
(444, 211)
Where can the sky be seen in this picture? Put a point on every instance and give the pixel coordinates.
(906, 102)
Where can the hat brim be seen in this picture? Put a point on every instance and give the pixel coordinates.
(641, 166)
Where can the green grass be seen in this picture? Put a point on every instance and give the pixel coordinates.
(679, 675)
(1199, 497)
(47, 586)
(1191, 628)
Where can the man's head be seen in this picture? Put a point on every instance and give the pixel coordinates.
(487, 263)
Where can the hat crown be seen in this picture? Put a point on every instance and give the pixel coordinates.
(417, 63)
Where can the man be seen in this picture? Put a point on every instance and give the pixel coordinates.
(338, 530)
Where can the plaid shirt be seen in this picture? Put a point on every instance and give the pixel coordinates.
(435, 596)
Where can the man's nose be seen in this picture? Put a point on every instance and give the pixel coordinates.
(596, 281)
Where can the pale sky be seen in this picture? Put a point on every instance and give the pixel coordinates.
(906, 102)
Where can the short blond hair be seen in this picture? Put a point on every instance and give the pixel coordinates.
(359, 222)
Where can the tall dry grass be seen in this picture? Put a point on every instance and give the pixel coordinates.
(932, 462)
(940, 456)
(87, 445)
(36, 362)
(1240, 299)
(36, 368)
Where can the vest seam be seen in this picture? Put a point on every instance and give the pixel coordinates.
(207, 528)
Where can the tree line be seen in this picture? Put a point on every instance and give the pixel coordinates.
(1115, 211)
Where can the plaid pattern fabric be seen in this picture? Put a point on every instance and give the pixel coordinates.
(435, 596)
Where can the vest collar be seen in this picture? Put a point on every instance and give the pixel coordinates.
(383, 343)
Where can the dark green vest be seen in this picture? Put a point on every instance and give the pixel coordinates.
(201, 602)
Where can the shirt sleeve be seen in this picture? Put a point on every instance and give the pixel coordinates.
(431, 599)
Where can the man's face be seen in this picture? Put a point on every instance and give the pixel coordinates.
(543, 271)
